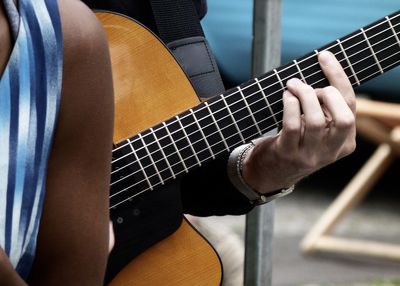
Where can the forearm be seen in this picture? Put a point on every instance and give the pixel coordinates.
(8, 276)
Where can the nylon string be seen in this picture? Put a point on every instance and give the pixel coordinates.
(205, 138)
(178, 173)
(394, 35)
(291, 66)
(237, 111)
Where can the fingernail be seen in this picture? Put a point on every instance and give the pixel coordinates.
(325, 58)
(293, 82)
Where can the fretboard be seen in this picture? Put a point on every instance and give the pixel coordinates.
(162, 153)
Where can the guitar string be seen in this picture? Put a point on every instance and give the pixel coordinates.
(145, 190)
(178, 173)
(124, 178)
(269, 95)
(239, 110)
(301, 61)
(243, 89)
(165, 158)
(249, 96)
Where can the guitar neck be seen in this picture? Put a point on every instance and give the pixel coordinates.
(212, 128)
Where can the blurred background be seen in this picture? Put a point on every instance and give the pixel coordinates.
(308, 25)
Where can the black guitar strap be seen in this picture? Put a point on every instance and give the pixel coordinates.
(178, 25)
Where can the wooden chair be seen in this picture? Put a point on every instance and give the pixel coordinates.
(380, 123)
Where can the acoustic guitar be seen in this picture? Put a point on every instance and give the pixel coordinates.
(163, 131)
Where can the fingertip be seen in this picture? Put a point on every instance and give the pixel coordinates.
(326, 58)
(293, 82)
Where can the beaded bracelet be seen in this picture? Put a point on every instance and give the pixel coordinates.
(235, 168)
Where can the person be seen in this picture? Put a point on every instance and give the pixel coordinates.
(56, 133)
(318, 128)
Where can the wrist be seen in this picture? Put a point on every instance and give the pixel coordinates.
(237, 160)
(258, 178)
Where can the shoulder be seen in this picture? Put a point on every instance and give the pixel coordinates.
(82, 32)
(87, 76)
(5, 41)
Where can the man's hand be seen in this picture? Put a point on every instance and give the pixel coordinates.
(318, 129)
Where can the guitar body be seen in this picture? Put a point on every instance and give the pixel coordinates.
(151, 87)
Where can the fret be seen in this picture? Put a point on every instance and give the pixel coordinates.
(188, 140)
(180, 141)
(127, 189)
(142, 169)
(157, 154)
(336, 49)
(372, 50)
(287, 72)
(145, 159)
(175, 147)
(120, 154)
(311, 70)
(359, 55)
(172, 156)
(299, 71)
(393, 30)
(385, 44)
(273, 91)
(349, 63)
(125, 168)
(395, 22)
(130, 178)
(271, 114)
(164, 157)
(209, 126)
(224, 122)
(152, 163)
(195, 136)
(202, 135)
(252, 94)
(279, 79)
(233, 119)
(242, 114)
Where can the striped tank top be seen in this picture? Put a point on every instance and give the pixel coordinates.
(30, 89)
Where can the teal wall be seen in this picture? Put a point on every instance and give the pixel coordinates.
(306, 25)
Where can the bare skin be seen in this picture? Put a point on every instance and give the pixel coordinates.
(318, 129)
(5, 43)
(73, 237)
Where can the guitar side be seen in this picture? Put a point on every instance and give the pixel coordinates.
(150, 87)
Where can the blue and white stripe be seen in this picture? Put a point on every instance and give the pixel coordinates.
(30, 90)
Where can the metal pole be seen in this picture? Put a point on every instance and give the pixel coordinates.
(260, 221)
